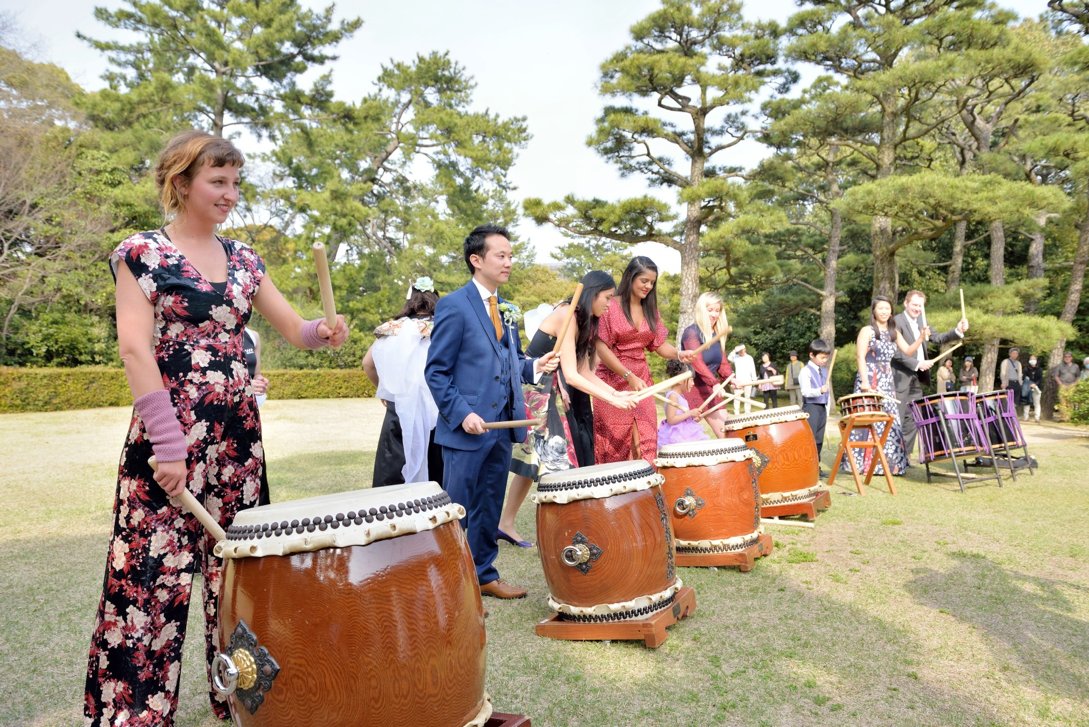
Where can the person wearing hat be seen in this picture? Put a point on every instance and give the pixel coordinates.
(1034, 379)
(793, 371)
(969, 375)
(1010, 375)
(744, 376)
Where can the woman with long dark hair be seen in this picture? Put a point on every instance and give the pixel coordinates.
(630, 327)
(549, 447)
(395, 365)
(877, 344)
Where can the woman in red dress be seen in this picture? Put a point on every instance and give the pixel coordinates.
(630, 327)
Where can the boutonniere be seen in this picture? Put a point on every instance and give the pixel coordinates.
(511, 313)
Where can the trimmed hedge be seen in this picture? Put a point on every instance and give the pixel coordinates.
(59, 389)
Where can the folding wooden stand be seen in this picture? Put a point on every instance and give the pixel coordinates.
(499, 719)
(745, 558)
(868, 422)
(809, 506)
(651, 630)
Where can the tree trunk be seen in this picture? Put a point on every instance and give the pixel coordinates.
(690, 269)
(998, 278)
(827, 329)
(956, 262)
(886, 277)
(1073, 300)
(1036, 257)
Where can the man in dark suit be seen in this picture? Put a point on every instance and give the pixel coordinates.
(910, 373)
(475, 370)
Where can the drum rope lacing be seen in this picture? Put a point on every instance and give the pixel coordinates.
(621, 616)
(549, 486)
(600, 487)
(634, 608)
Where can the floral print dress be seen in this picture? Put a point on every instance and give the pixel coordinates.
(879, 375)
(156, 546)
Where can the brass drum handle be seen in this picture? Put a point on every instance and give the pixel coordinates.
(224, 675)
(574, 555)
(684, 505)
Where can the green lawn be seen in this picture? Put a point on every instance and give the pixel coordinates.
(929, 608)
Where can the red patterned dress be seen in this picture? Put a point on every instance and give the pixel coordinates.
(156, 547)
(612, 426)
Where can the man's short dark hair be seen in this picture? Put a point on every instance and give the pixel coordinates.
(475, 243)
(818, 345)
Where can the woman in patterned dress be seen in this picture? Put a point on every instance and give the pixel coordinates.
(550, 446)
(630, 327)
(711, 366)
(877, 344)
(183, 296)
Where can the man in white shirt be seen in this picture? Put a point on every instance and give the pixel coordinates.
(910, 373)
(745, 374)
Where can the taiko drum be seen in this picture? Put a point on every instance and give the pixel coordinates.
(711, 490)
(784, 447)
(605, 541)
(860, 404)
(360, 608)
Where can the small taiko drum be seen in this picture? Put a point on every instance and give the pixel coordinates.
(360, 608)
(860, 404)
(711, 489)
(787, 467)
(605, 542)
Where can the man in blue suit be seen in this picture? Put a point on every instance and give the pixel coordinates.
(475, 370)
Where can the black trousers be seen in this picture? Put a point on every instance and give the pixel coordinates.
(389, 459)
(818, 418)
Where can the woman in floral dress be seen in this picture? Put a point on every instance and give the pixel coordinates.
(877, 344)
(630, 327)
(184, 295)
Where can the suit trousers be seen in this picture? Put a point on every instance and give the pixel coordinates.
(477, 480)
(908, 389)
(818, 419)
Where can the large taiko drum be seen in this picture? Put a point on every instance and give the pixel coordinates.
(711, 490)
(605, 542)
(360, 608)
(787, 467)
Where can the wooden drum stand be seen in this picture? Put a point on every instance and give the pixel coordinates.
(650, 630)
(868, 421)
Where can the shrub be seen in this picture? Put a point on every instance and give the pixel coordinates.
(1075, 403)
(59, 389)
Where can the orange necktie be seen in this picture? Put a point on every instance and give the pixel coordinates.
(493, 307)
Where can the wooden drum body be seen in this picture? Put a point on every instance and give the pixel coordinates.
(860, 404)
(604, 537)
(714, 500)
(786, 453)
(360, 608)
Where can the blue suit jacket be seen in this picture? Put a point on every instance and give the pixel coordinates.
(469, 371)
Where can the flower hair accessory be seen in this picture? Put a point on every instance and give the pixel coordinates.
(424, 285)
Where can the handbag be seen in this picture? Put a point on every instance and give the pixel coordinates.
(1026, 388)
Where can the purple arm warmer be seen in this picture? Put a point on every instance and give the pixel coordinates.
(310, 336)
(162, 425)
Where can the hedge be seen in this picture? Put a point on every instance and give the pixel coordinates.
(60, 389)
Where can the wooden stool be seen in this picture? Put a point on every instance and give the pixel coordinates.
(867, 421)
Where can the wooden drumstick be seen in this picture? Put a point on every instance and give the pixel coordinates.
(567, 318)
(713, 341)
(791, 523)
(831, 364)
(192, 505)
(657, 388)
(727, 397)
(513, 424)
(720, 388)
(325, 284)
(963, 313)
(946, 352)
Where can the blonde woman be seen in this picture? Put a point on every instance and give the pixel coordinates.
(711, 366)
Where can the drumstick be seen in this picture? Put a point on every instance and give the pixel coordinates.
(719, 388)
(831, 364)
(713, 341)
(728, 397)
(325, 285)
(192, 505)
(791, 523)
(946, 352)
(667, 384)
(963, 314)
(513, 424)
(567, 318)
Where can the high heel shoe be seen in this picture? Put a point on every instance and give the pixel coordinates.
(500, 535)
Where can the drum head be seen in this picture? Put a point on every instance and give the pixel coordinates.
(772, 416)
(358, 517)
(704, 453)
(599, 480)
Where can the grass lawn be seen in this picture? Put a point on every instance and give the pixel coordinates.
(929, 608)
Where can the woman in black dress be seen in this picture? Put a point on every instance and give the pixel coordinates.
(549, 448)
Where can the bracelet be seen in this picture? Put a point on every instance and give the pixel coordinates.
(626, 374)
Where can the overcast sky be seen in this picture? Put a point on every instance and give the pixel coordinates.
(538, 60)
